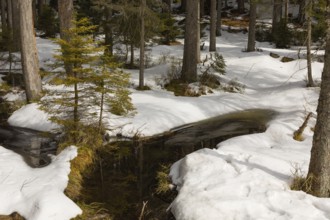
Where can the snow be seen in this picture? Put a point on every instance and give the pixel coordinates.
(30, 116)
(246, 177)
(36, 193)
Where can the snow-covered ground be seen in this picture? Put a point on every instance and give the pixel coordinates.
(246, 177)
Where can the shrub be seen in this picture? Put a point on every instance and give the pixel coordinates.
(47, 22)
(218, 63)
(282, 35)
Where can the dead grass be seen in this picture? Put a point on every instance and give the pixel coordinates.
(244, 23)
(300, 182)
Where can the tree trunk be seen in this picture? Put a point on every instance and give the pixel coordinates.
(29, 54)
(189, 65)
(16, 24)
(108, 31)
(213, 14)
(286, 10)
(198, 41)
(309, 42)
(141, 70)
(3, 15)
(277, 15)
(202, 8)
(40, 6)
(252, 27)
(132, 54)
(240, 6)
(319, 167)
(34, 11)
(218, 25)
(65, 13)
(9, 15)
(183, 6)
(302, 10)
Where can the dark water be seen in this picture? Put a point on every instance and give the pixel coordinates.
(34, 146)
(129, 177)
(125, 175)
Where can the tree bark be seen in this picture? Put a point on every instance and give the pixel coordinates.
(198, 41)
(183, 6)
(252, 27)
(108, 31)
(34, 11)
(286, 10)
(3, 15)
(319, 167)
(213, 14)
(309, 42)
(302, 10)
(141, 70)
(240, 6)
(202, 8)
(10, 15)
(218, 25)
(277, 15)
(29, 54)
(41, 4)
(65, 13)
(16, 24)
(189, 65)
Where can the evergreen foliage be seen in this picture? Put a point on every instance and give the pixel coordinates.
(218, 63)
(94, 81)
(282, 35)
(168, 30)
(47, 21)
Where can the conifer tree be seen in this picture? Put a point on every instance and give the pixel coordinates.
(93, 82)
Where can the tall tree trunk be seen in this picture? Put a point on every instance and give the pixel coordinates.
(141, 70)
(3, 15)
(213, 14)
(16, 24)
(29, 54)
(189, 65)
(10, 15)
(319, 167)
(198, 41)
(34, 11)
(41, 4)
(183, 6)
(202, 8)
(132, 54)
(65, 13)
(286, 10)
(309, 42)
(218, 26)
(252, 26)
(108, 31)
(240, 6)
(302, 10)
(277, 15)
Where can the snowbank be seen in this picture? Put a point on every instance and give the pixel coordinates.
(36, 193)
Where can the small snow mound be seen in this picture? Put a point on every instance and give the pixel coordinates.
(36, 193)
(30, 116)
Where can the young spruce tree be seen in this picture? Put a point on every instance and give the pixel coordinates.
(94, 81)
(76, 100)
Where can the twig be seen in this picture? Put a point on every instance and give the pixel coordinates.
(143, 210)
